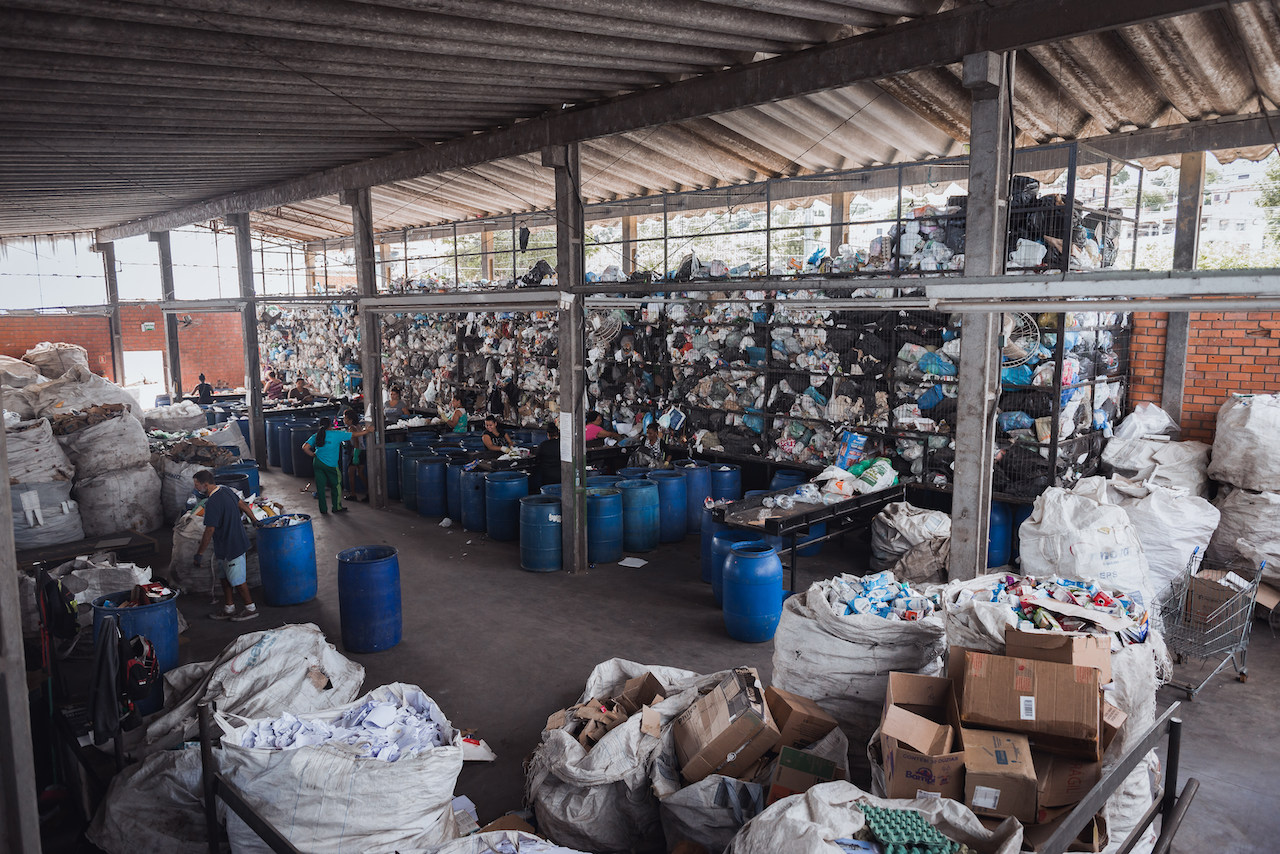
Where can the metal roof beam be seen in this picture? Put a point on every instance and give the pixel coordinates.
(940, 39)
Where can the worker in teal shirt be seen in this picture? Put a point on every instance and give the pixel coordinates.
(323, 448)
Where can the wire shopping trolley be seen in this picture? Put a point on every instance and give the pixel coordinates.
(1208, 612)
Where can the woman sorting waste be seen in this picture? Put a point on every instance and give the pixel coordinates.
(457, 415)
(494, 439)
(323, 447)
(653, 452)
(203, 392)
(273, 388)
(358, 470)
(595, 428)
(395, 409)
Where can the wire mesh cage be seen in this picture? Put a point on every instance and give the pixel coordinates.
(1208, 613)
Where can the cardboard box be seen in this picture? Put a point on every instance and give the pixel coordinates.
(509, 822)
(1058, 705)
(1080, 649)
(640, 692)
(918, 738)
(1062, 781)
(725, 730)
(801, 721)
(1092, 838)
(798, 772)
(999, 778)
(1207, 599)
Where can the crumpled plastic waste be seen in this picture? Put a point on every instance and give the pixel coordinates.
(880, 595)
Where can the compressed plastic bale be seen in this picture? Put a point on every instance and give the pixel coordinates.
(117, 443)
(123, 500)
(45, 515)
(55, 359)
(34, 455)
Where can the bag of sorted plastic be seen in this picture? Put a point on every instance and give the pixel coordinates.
(1171, 524)
(34, 455)
(601, 799)
(78, 388)
(499, 842)
(44, 515)
(229, 436)
(899, 527)
(842, 660)
(176, 486)
(123, 500)
(116, 443)
(175, 417)
(1249, 525)
(814, 822)
(1245, 451)
(374, 776)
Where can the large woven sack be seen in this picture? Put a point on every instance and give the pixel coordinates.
(176, 486)
(17, 401)
(15, 373)
(123, 500)
(176, 417)
(55, 359)
(44, 515)
(34, 454)
(79, 388)
(1246, 443)
(117, 443)
(900, 527)
(1248, 529)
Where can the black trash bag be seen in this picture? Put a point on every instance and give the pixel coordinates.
(1037, 404)
(945, 410)
(1021, 472)
(536, 274)
(1023, 190)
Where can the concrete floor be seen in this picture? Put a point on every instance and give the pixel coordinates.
(500, 649)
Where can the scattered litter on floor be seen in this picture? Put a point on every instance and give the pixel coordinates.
(632, 562)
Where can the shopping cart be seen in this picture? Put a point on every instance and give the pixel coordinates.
(1208, 612)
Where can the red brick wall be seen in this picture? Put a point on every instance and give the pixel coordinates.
(212, 344)
(1232, 351)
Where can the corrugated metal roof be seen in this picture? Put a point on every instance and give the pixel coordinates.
(115, 110)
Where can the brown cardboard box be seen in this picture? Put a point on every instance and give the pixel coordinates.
(798, 772)
(1058, 705)
(509, 822)
(640, 692)
(801, 721)
(999, 779)
(918, 738)
(1061, 780)
(725, 730)
(1093, 838)
(1207, 599)
(1086, 650)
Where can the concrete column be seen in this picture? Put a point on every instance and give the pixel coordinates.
(839, 229)
(19, 817)
(1186, 251)
(249, 326)
(108, 251)
(168, 293)
(309, 259)
(571, 276)
(486, 258)
(370, 341)
(628, 245)
(987, 76)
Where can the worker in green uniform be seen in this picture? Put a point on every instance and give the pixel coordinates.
(323, 447)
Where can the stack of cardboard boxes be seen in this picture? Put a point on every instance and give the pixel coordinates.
(1018, 735)
(739, 729)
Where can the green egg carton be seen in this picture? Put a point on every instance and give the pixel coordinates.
(906, 832)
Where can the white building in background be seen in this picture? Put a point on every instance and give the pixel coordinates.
(1232, 213)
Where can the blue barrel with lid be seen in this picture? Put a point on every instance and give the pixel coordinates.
(157, 622)
(407, 460)
(1000, 535)
(784, 478)
(640, 515)
(287, 559)
(540, 544)
(710, 527)
(752, 592)
(273, 440)
(604, 480)
(423, 438)
(284, 446)
(634, 472)
(721, 545)
(726, 481)
(453, 490)
(552, 489)
(369, 598)
(672, 504)
(392, 451)
(299, 433)
(503, 491)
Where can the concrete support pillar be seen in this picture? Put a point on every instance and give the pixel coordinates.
(168, 293)
(486, 256)
(249, 326)
(839, 228)
(988, 76)
(1186, 251)
(370, 342)
(628, 245)
(108, 251)
(571, 276)
(309, 260)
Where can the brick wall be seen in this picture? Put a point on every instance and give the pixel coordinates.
(212, 344)
(1232, 351)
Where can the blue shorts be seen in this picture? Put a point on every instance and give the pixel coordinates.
(234, 570)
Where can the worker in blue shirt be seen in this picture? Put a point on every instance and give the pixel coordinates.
(323, 448)
(223, 529)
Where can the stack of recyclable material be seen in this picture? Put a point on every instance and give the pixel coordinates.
(310, 342)
(55, 359)
(183, 415)
(1246, 459)
(40, 487)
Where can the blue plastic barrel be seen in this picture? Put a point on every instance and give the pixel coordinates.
(473, 441)
(157, 622)
(273, 441)
(423, 438)
(299, 433)
(540, 548)
(710, 527)
(522, 437)
(248, 469)
(783, 478)
(752, 592)
(242, 421)
(432, 496)
(369, 598)
(604, 480)
(453, 490)
(454, 454)
(813, 549)
(634, 472)
(471, 493)
(1000, 535)
(552, 489)
(721, 544)
(163, 400)
(238, 481)
(287, 560)
(392, 450)
(672, 504)
(284, 446)
(640, 515)
(726, 481)
(697, 483)
(502, 493)
(604, 524)
(1021, 513)
(407, 460)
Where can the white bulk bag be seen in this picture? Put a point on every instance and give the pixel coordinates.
(17, 401)
(176, 486)
(1246, 443)
(154, 807)
(1249, 522)
(187, 533)
(228, 435)
(79, 388)
(34, 455)
(124, 500)
(900, 527)
(54, 360)
(1182, 465)
(1080, 535)
(176, 417)
(15, 373)
(44, 515)
(117, 443)
(517, 841)
(806, 823)
(328, 799)
(842, 661)
(1171, 525)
